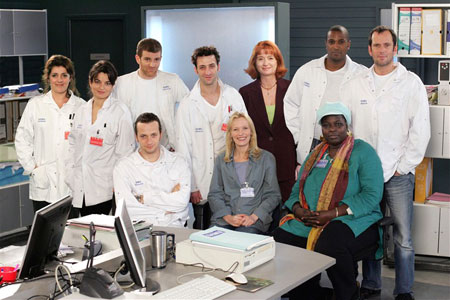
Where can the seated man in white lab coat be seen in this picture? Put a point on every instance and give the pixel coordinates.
(154, 182)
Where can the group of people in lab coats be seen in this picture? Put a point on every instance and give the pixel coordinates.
(144, 138)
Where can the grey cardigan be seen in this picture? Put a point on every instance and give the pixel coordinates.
(224, 193)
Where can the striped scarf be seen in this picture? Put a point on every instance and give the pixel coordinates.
(333, 187)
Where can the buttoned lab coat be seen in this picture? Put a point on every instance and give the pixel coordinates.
(170, 90)
(90, 166)
(41, 140)
(303, 98)
(194, 137)
(135, 176)
(396, 122)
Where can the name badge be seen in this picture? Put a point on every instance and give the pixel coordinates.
(247, 192)
(224, 127)
(306, 84)
(66, 134)
(166, 88)
(363, 101)
(198, 129)
(96, 141)
(322, 163)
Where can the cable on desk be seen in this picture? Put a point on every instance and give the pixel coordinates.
(35, 296)
(115, 278)
(209, 270)
(68, 273)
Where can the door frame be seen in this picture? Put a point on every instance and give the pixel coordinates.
(97, 17)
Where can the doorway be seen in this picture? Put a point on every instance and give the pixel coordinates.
(93, 38)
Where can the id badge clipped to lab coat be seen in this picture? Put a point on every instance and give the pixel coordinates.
(247, 192)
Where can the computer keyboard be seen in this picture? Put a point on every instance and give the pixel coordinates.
(205, 287)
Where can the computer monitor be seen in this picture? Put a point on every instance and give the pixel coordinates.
(45, 237)
(134, 258)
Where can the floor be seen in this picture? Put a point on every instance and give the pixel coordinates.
(428, 285)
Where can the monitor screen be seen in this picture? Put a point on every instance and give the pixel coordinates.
(45, 237)
(130, 245)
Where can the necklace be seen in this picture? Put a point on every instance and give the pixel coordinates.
(269, 89)
(328, 157)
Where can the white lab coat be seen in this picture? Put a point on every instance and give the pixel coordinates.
(133, 175)
(304, 96)
(396, 122)
(90, 167)
(170, 90)
(41, 140)
(194, 136)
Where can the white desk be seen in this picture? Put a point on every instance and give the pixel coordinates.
(290, 267)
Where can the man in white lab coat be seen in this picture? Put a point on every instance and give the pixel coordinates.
(390, 111)
(202, 124)
(150, 90)
(154, 182)
(315, 83)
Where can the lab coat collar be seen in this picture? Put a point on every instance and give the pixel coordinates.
(196, 94)
(108, 102)
(48, 98)
(321, 62)
(399, 72)
(164, 158)
(136, 75)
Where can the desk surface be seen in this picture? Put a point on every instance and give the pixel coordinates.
(290, 267)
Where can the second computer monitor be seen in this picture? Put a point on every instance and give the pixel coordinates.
(45, 237)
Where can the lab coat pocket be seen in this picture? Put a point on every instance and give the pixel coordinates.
(110, 137)
(39, 178)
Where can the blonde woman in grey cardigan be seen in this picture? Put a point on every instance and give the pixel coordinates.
(244, 188)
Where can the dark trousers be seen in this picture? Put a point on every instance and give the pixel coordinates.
(103, 208)
(338, 241)
(37, 205)
(202, 214)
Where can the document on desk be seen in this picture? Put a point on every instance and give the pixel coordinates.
(11, 255)
(229, 238)
(103, 221)
(9, 291)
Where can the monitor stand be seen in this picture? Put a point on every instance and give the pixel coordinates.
(152, 286)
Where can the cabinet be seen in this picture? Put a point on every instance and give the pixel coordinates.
(439, 145)
(431, 230)
(17, 208)
(395, 16)
(23, 33)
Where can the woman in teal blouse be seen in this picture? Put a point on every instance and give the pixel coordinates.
(335, 203)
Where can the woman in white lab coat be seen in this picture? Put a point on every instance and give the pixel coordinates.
(102, 133)
(41, 137)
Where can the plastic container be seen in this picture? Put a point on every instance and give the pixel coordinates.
(9, 274)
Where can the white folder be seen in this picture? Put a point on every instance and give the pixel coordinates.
(404, 26)
(432, 31)
(416, 31)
